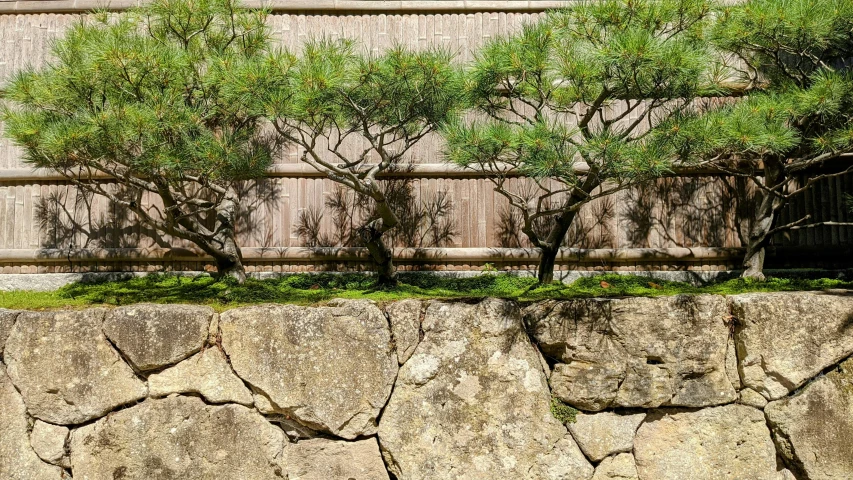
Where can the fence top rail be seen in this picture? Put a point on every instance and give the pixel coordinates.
(319, 6)
(301, 170)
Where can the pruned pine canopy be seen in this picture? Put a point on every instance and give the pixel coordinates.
(549, 94)
(331, 96)
(795, 56)
(590, 85)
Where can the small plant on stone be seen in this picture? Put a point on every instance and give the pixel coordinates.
(562, 412)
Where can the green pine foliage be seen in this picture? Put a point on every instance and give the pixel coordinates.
(544, 100)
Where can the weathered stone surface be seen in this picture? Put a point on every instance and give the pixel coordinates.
(7, 319)
(153, 336)
(786, 475)
(636, 352)
(752, 398)
(18, 461)
(473, 400)
(323, 459)
(178, 437)
(814, 429)
(564, 462)
(331, 368)
(207, 374)
(731, 442)
(619, 467)
(784, 339)
(66, 369)
(213, 330)
(405, 317)
(600, 435)
(48, 441)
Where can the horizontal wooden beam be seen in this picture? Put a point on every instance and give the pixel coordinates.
(408, 255)
(303, 170)
(307, 6)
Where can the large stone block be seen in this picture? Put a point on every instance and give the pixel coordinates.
(731, 442)
(18, 461)
(814, 428)
(153, 336)
(405, 319)
(619, 467)
(473, 402)
(784, 339)
(178, 438)
(600, 435)
(636, 352)
(65, 368)
(330, 368)
(206, 373)
(324, 459)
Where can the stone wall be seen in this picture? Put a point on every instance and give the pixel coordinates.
(756, 386)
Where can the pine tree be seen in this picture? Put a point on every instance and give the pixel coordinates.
(793, 58)
(575, 102)
(355, 116)
(139, 97)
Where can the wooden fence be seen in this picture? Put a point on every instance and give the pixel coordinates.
(688, 222)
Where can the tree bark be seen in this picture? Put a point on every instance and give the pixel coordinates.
(382, 256)
(223, 244)
(551, 247)
(763, 220)
(229, 258)
(372, 236)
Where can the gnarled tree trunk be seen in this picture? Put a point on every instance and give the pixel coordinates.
(763, 220)
(382, 257)
(551, 246)
(372, 236)
(229, 258)
(222, 244)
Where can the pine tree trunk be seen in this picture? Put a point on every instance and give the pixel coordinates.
(372, 236)
(547, 260)
(551, 246)
(223, 246)
(753, 263)
(763, 220)
(382, 256)
(229, 258)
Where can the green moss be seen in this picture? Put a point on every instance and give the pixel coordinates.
(25, 300)
(309, 289)
(562, 412)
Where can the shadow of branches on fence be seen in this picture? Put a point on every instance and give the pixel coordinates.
(425, 220)
(592, 228)
(683, 212)
(74, 219)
